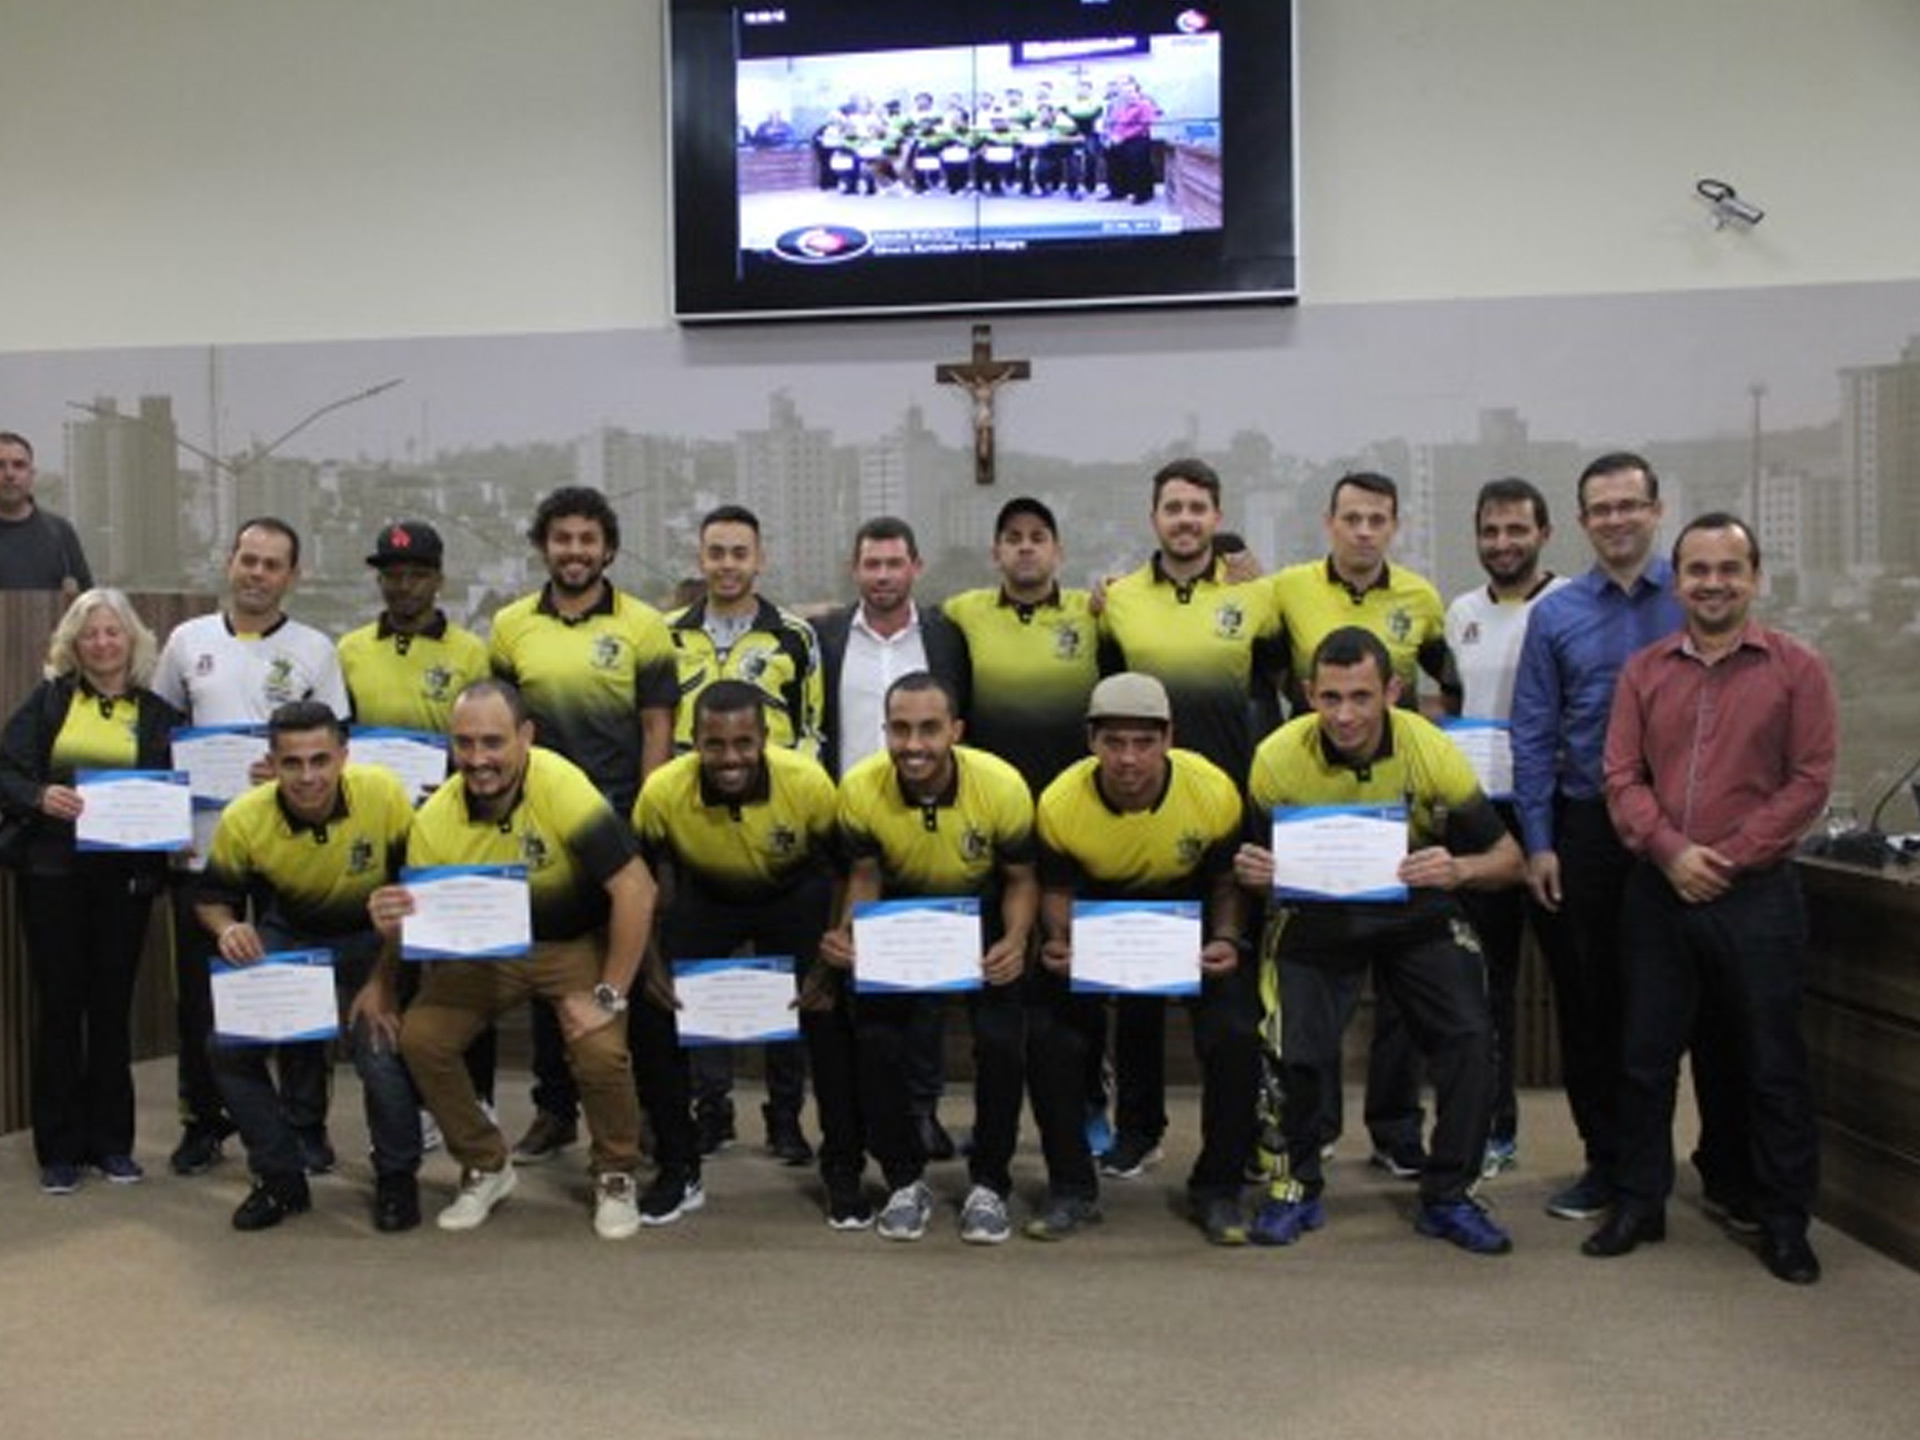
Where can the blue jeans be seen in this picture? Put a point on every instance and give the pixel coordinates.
(260, 1109)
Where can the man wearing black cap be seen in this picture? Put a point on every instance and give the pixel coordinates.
(405, 668)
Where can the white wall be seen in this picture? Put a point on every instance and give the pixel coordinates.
(232, 170)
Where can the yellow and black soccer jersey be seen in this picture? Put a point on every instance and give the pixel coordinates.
(1033, 668)
(587, 680)
(561, 828)
(777, 653)
(410, 681)
(313, 879)
(1402, 608)
(96, 734)
(953, 846)
(1418, 766)
(743, 850)
(1171, 851)
(1210, 643)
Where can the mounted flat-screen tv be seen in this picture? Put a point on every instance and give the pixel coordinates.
(838, 157)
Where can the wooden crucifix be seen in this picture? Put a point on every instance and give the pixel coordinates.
(982, 376)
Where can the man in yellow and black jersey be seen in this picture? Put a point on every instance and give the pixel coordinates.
(596, 668)
(1141, 820)
(1356, 585)
(305, 853)
(1035, 649)
(1359, 748)
(591, 901)
(743, 835)
(405, 667)
(1215, 645)
(931, 817)
(733, 632)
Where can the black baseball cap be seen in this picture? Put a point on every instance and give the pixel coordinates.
(407, 540)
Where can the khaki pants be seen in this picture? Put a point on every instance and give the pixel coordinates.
(460, 998)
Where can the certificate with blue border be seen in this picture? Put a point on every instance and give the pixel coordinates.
(417, 757)
(220, 759)
(904, 946)
(1136, 947)
(1339, 852)
(1488, 746)
(133, 810)
(279, 999)
(745, 1000)
(467, 912)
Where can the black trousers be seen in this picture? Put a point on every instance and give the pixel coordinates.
(1736, 962)
(84, 932)
(1438, 982)
(1500, 919)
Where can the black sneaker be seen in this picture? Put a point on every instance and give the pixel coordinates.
(1130, 1156)
(1731, 1209)
(675, 1191)
(396, 1203)
(1402, 1159)
(546, 1137)
(316, 1151)
(199, 1151)
(785, 1142)
(716, 1132)
(848, 1207)
(271, 1201)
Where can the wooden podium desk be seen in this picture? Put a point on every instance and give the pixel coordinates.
(1862, 1023)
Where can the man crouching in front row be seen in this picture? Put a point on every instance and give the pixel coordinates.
(592, 898)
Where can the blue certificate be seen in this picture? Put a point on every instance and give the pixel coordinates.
(916, 945)
(1339, 852)
(133, 810)
(467, 912)
(743, 1001)
(1136, 947)
(219, 759)
(279, 999)
(1488, 746)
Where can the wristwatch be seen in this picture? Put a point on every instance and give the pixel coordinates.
(609, 999)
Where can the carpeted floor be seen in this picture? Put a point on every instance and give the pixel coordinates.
(138, 1312)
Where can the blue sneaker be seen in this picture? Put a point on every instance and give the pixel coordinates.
(1502, 1154)
(1466, 1224)
(1099, 1131)
(1586, 1198)
(59, 1179)
(1281, 1222)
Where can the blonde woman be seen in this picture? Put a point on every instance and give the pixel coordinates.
(84, 915)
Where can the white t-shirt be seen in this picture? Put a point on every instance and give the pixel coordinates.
(220, 678)
(1484, 635)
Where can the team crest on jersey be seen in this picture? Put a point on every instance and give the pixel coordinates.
(1068, 642)
(754, 662)
(279, 684)
(203, 663)
(605, 654)
(436, 681)
(360, 856)
(1400, 624)
(1190, 847)
(783, 840)
(974, 846)
(1470, 635)
(1229, 619)
(533, 851)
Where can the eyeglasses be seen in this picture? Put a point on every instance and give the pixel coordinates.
(1617, 509)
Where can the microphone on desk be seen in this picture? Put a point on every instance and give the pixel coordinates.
(1870, 847)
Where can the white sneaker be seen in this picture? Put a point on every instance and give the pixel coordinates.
(480, 1191)
(983, 1217)
(906, 1214)
(430, 1137)
(616, 1211)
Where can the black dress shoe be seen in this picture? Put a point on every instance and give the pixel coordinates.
(1625, 1229)
(934, 1139)
(396, 1203)
(1790, 1258)
(271, 1201)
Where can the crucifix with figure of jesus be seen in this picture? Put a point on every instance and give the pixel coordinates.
(982, 376)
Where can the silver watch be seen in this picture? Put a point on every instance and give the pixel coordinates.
(609, 999)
